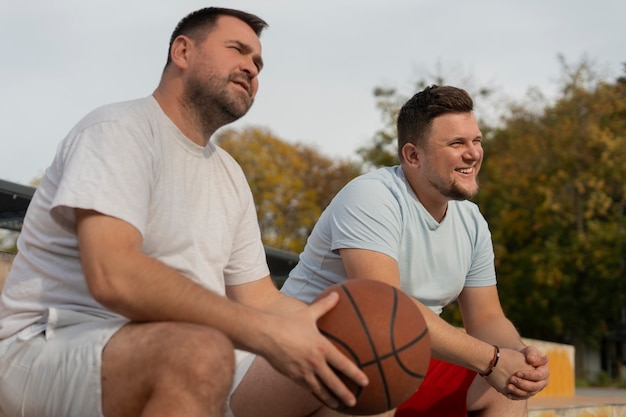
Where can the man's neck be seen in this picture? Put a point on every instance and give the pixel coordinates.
(186, 122)
(432, 200)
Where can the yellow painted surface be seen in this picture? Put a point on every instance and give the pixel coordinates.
(549, 413)
(561, 363)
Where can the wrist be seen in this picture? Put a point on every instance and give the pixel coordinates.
(493, 363)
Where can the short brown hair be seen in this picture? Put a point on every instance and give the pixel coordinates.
(196, 25)
(416, 116)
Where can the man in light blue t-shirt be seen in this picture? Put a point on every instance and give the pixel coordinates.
(412, 227)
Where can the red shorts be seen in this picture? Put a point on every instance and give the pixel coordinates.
(442, 393)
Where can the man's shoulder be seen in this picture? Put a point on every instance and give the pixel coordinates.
(386, 177)
(119, 111)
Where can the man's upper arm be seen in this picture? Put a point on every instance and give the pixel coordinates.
(479, 304)
(106, 245)
(256, 294)
(363, 263)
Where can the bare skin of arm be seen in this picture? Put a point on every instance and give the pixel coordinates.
(514, 376)
(121, 277)
(489, 323)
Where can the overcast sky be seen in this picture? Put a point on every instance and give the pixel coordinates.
(323, 58)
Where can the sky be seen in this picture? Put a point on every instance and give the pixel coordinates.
(61, 59)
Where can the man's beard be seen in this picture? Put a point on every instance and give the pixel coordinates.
(212, 104)
(453, 191)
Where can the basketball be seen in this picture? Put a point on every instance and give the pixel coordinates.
(382, 330)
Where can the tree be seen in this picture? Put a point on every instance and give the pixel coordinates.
(552, 189)
(291, 184)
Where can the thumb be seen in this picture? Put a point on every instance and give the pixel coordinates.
(535, 358)
(324, 304)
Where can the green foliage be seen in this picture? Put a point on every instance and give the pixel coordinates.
(554, 195)
(382, 151)
(8, 240)
(291, 184)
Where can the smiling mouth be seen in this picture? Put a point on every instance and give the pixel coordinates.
(465, 170)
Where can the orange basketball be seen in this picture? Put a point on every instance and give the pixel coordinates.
(382, 330)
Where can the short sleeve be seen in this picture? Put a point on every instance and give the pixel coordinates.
(105, 168)
(366, 215)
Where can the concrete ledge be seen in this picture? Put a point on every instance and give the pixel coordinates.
(577, 406)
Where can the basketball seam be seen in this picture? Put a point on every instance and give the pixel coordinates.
(371, 342)
(393, 338)
(395, 351)
(380, 360)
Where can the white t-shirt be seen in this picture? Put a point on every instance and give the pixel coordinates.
(378, 211)
(128, 160)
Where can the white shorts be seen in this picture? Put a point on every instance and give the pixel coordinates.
(58, 372)
(243, 361)
(55, 373)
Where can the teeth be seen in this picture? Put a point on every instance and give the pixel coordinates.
(465, 171)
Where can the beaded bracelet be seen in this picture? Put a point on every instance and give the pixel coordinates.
(493, 363)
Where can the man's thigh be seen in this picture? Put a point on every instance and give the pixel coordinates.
(265, 392)
(443, 392)
(56, 375)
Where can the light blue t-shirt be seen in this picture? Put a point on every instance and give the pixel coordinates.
(378, 211)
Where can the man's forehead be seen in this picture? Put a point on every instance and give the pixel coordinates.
(456, 124)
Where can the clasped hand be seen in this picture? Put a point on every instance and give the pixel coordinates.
(520, 374)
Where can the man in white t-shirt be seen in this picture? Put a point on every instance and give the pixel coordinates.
(412, 227)
(140, 264)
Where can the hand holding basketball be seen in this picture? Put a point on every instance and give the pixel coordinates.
(382, 330)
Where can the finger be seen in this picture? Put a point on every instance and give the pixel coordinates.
(324, 305)
(537, 374)
(515, 393)
(345, 366)
(338, 364)
(524, 385)
(336, 389)
(535, 358)
(323, 394)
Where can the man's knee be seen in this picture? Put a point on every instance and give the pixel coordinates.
(177, 361)
(197, 356)
(484, 401)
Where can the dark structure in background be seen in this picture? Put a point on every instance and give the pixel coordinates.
(15, 198)
(280, 262)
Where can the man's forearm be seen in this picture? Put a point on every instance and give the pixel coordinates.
(498, 331)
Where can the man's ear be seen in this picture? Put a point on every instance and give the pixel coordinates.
(411, 154)
(179, 52)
